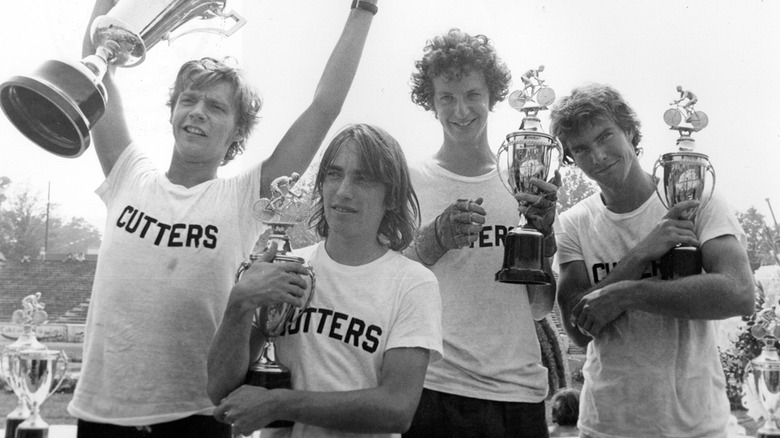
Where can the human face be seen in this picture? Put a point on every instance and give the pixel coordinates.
(605, 153)
(204, 122)
(462, 106)
(353, 200)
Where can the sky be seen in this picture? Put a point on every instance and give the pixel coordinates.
(724, 51)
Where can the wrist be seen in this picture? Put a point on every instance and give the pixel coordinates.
(549, 246)
(365, 6)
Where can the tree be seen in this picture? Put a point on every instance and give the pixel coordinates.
(24, 229)
(575, 187)
(760, 238)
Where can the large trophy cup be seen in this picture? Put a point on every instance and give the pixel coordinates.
(526, 154)
(762, 374)
(39, 374)
(684, 178)
(57, 105)
(30, 316)
(284, 210)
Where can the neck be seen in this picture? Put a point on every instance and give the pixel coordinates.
(472, 159)
(351, 253)
(628, 198)
(190, 174)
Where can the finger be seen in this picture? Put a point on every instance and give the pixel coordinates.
(462, 205)
(270, 254)
(678, 209)
(556, 179)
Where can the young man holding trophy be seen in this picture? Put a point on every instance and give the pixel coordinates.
(173, 240)
(491, 381)
(358, 352)
(652, 366)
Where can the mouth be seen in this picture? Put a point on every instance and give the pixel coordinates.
(342, 209)
(194, 130)
(607, 168)
(463, 124)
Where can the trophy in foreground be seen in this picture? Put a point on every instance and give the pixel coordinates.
(684, 178)
(527, 154)
(284, 210)
(39, 373)
(30, 316)
(58, 104)
(762, 374)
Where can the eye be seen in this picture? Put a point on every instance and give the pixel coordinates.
(445, 99)
(475, 95)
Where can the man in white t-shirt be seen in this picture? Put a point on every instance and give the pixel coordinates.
(491, 382)
(358, 353)
(174, 240)
(652, 367)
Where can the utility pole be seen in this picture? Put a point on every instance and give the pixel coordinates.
(46, 233)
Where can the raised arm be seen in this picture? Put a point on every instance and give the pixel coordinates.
(110, 135)
(298, 146)
(387, 408)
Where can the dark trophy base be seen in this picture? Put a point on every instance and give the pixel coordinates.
(32, 433)
(55, 107)
(681, 261)
(768, 433)
(523, 258)
(271, 380)
(11, 424)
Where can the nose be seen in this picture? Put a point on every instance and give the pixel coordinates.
(198, 111)
(461, 108)
(344, 190)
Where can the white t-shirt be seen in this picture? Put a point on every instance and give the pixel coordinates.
(357, 313)
(647, 375)
(165, 269)
(491, 350)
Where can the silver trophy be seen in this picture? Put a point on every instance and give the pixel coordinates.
(762, 374)
(684, 178)
(30, 316)
(281, 212)
(39, 373)
(57, 105)
(526, 154)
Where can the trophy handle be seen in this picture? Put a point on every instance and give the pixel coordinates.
(711, 170)
(662, 196)
(504, 148)
(62, 368)
(238, 22)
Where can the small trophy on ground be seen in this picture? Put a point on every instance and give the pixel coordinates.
(284, 210)
(684, 178)
(58, 104)
(526, 154)
(762, 374)
(30, 316)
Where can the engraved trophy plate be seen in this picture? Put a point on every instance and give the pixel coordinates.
(56, 106)
(526, 154)
(684, 178)
(281, 213)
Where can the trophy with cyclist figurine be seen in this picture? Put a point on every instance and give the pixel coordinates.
(525, 154)
(29, 317)
(281, 212)
(684, 178)
(762, 374)
(56, 106)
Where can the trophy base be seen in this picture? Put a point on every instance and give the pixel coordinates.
(22, 432)
(681, 261)
(271, 379)
(55, 107)
(11, 424)
(768, 433)
(523, 258)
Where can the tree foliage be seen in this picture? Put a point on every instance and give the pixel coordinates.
(761, 239)
(575, 187)
(25, 231)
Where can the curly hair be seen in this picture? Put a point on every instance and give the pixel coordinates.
(587, 104)
(202, 73)
(381, 156)
(454, 55)
(566, 406)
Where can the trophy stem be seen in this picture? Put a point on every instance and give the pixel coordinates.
(270, 374)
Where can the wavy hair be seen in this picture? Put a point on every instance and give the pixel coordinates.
(587, 104)
(204, 72)
(381, 156)
(454, 55)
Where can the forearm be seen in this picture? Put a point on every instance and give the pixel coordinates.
(705, 296)
(363, 411)
(229, 355)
